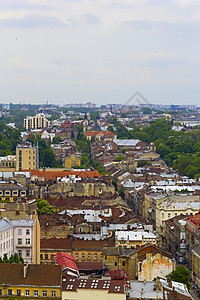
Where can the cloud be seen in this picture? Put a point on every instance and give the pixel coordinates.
(21, 4)
(91, 19)
(171, 26)
(32, 21)
(161, 60)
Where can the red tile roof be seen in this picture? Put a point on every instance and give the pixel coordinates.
(66, 261)
(48, 174)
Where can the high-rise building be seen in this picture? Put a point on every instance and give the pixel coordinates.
(37, 122)
(27, 156)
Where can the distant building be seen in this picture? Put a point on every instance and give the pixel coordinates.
(72, 161)
(37, 122)
(27, 157)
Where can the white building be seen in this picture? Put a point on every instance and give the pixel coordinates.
(16, 236)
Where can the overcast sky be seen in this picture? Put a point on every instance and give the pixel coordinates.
(103, 51)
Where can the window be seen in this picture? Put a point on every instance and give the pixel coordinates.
(35, 293)
(18, 292)
(27, 253)
(53, 293)
(163, 215)
(28, 241)
(89, 255)
(0, 292)
(19, 241)
(169, 215)
(83, 255)
(46, 256)
(9, 292)
(140, 267)
(76, 255)
(27, 292)
(105, 257)
(20, 252)
(27, 231)
(41, 256)
(123, 263)
(52, 257)
(44, 293)
(115, 264)
(95, 255)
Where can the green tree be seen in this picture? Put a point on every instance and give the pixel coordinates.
(56, 140)
(44, 207)
(181, 274)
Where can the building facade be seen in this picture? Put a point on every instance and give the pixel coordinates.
(37, 122)
(27, 157)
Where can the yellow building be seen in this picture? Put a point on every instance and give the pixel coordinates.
(30, 281)
(8, 163)
(145, 263)
(94, 288)
(37, 122)
(196, 266)
(81, 250)
(72, 161)
(27, 157)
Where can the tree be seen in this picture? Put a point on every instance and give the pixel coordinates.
(56, 140)
(44, 207)
(123, 150)
(142, 163)
(181, 274)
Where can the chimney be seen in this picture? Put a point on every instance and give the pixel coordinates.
(25, 269)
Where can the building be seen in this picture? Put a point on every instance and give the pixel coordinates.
(93, 288)
(100, 135)
(8, 163)
(133, 239)
(27, 157)
(20, 236)
(192, 233)
(81, 250)
(196, 266)
(37, 122)
(72, 161)
(145, 263)
(30, 281)
(12, 191)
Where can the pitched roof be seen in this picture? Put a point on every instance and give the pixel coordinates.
(54, 243)
(112, 286)
(66, 261)
(48, 174)
(102, 132)
(38, 275)
(89, 265)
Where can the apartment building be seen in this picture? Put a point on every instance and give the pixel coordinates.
(37, 122)
(22, 237)
(27, 157)
(19, 281)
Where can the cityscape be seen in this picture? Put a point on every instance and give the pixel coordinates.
(100, 201)
(100, 149)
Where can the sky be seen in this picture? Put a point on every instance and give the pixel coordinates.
(101, 51)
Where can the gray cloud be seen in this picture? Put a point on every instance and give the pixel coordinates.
(32, 21)
(91, 19)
